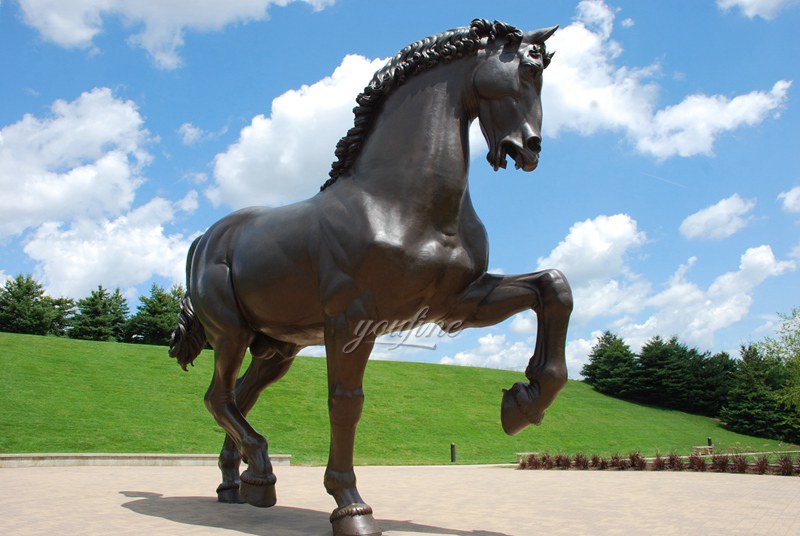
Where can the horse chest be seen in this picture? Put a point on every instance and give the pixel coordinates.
(418, 271)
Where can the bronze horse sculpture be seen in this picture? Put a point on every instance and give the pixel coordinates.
(393, 230)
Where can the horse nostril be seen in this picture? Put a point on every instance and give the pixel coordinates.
(535, 144)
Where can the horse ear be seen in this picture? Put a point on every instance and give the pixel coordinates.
(540, 35)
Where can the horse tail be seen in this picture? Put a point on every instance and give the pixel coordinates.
(189, 337)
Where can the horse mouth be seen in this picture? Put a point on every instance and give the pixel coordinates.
(524, 158)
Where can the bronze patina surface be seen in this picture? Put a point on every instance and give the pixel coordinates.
(392, 232)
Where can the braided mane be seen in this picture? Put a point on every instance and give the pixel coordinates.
(413, 59)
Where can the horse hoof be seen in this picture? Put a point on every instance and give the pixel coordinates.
(354, 520)
(258, 490)
(228, 492)
(518, 409)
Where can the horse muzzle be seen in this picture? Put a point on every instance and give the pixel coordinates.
(525, 158)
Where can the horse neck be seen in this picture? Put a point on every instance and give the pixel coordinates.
(418, 150)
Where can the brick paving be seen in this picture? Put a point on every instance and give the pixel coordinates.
(408, 501)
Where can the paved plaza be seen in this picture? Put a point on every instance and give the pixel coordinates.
(408, 501)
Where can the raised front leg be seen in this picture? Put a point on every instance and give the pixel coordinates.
(353, 517)
(494, 298)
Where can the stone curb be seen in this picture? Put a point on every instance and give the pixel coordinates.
(113, 459)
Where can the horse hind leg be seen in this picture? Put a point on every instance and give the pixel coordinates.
(229, 335)
(267, 367)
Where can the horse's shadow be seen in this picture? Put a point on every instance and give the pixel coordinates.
(277, 521)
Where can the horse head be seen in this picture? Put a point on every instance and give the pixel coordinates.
(507, 86)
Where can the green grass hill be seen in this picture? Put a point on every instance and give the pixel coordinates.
(62, 395)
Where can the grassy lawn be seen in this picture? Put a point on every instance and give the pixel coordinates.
(60, 395)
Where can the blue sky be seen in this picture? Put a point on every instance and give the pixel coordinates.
(668, 190)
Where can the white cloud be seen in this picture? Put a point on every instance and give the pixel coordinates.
(190, 134)
(766, 9)
(577, 354)
(628, 23)
(593, 258)
(523, 323)
(595, 248)
(122, 252)
(493, 352)
(587, 92)
(720, 220)
(694, 314)
(189, 203)
(196, 177)
(684, 309)
(84, 159)
(691, 127)
(75, 23)
(287, 156)
(791, 199)
(624, 294)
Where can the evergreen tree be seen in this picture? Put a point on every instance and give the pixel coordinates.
(101, 316)
(647, 378)
(157, 316)
(62, 310)
(753, 406)
(714, 379)
(610, 366)
(24, 308)
(680, 377)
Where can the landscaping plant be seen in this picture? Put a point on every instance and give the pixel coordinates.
(697, 463)
(637, 461)
(563, 461)
(675, 462)
(720, 463)
(785, 465)
(739, 463)
(762, 465)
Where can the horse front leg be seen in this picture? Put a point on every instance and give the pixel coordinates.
(346, 364)
(494, 298)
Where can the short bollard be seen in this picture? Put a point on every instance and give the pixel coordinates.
(452, 453)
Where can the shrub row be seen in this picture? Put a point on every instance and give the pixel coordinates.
(718, 463)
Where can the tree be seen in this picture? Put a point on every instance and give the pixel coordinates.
(753, 405)
(666, 373)
(610, 366)
(647, 378)
(713, 380)
(62, 310)
(24, 308)
(156, 317)
(786, 348)
(101, 316)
